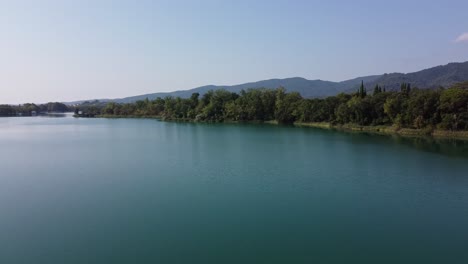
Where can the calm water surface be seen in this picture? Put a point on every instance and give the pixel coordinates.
(145, 191)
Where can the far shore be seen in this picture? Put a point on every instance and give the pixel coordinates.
(383, 130)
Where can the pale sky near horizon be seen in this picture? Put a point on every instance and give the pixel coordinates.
(71, 50)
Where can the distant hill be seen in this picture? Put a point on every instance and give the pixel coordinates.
(440, 76)
(431, 78)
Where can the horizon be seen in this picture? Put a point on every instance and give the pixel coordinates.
(228, 85)
(64, 51)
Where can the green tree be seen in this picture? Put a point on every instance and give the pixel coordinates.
(454, 109)
(362, 90)
(286, 104)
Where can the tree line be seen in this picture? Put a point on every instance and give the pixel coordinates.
(30, 109)
(407, 108)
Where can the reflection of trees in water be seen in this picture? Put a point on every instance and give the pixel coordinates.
(450, 147)
(54, 115)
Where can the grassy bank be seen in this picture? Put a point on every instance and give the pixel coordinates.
(391, 130)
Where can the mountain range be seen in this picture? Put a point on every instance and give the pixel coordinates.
(440, 76)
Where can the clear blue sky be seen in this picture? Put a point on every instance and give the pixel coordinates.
(68, 50)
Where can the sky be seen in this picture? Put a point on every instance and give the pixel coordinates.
(71, 50)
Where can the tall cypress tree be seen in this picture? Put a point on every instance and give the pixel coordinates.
(405, 88)
(377, 89)
(364, 93)
(362, 90)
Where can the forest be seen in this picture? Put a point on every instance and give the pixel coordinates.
(406, 108)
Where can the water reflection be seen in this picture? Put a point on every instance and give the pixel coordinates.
(449, 147)
(443, 146)
(55, 114)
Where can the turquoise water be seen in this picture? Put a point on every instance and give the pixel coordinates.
(145, 191)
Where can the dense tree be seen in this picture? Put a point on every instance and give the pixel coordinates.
(7, 110)
(362, 90)
(286, 105)
(411, 108)
(57, 107)
(29, 109)
(454, 109)
(377, 89)
(405, 88)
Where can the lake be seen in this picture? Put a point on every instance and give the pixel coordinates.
(146, 191)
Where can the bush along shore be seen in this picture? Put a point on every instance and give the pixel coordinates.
(408, 111)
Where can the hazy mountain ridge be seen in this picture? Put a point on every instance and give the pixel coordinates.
(430, 78)
(439, 76)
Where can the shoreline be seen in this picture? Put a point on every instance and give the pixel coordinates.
(382, 129)
(390, 130)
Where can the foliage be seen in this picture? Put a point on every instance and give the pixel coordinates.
(31, 109)
(406, 108)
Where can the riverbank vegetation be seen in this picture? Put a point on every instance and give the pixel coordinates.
(412, 108)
